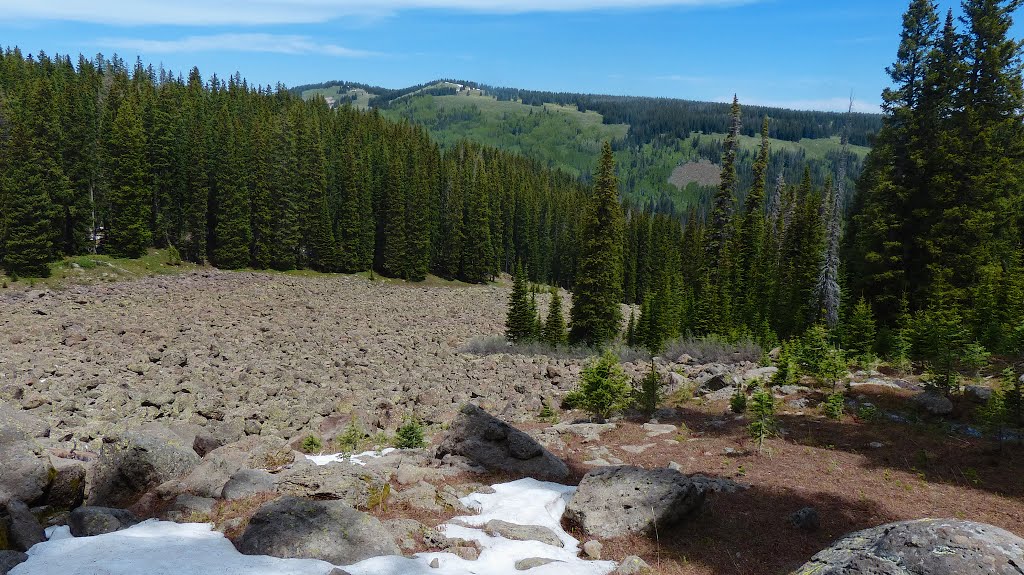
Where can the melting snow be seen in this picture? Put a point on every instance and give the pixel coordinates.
(342, 458)
(164, 548)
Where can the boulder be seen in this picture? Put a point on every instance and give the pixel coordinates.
(353, 484)
(531, 562)
(977, 393)
(807, 519)
(90, 520)
(633, 565)
(497, 446)
(933, 402)
(922, 547)
(24, 474)
(17, 424)
(221, 464)
(19, 529)
(592, 549)
(622, 500)
(135, 461)
(406, 532)
(67, 485)
(191, 509)
(246, 483)
(714, 383)
(497, 527)
(11, 559)
(332, 531)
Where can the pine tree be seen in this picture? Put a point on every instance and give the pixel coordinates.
(521, 319)
(34, 171)
(725, 198)
(477, 249)
(233, 232)
(128, 234)
(859, 332)
(596, 316)
(754, 251)
(555, 333)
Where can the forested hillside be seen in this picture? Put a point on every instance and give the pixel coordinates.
(652, 137)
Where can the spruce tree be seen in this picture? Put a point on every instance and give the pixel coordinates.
(520, 321)
(393, 252)
(597, 292)
(128, 234)
(859, 332)
(555, 333)
(233, 232)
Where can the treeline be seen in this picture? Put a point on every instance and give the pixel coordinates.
(651, 117)
(99, 157)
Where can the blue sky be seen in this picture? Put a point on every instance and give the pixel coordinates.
(807, 54)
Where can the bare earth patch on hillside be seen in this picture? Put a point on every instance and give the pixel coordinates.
(702, 172)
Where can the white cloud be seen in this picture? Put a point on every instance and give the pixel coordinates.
(257, 12)
(269, 43)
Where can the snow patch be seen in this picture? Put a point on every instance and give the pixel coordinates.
(344, 458)
(164, 548)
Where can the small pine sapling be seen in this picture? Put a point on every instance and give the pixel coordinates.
(312, 444)
(994, 416)
(738, 401)
(647, 394)
(604, 387)
(409, 435)
(762, 411)
(833, 406)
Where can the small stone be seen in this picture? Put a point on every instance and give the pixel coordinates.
(531, 562)
(467, 553)
(522, 532)
(632, 565)
(434, 563)
(876, 445)
(806, 519)
(593, 549)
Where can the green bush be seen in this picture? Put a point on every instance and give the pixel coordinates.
(868, 414)
(312, 444)
(604, 387)
(738, 401)
(647, 394)
(173, 256)
(349, 441)
(833, 406)
(409, 435)
(788, 364)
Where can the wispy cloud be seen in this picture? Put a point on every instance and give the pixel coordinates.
(268, 43)
(258, 12)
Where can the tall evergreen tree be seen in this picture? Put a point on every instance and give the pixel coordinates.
(234, 233)
(555, 333)
(521, 319)
(128, 234)
(596, 316)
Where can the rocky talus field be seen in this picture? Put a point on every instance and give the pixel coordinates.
(205, 411)
(260, 354)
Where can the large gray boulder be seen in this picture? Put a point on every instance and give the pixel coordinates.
(89, 520)
(353, 484)
(16, 423)
(332, 531)
(67, 483)
(246, 483)
(922, 547)
(11, 559)
(24, 472)
(221, 464)
(497, 446)
(933, 402)
(621, 500)
(133, 462)
(19, 529)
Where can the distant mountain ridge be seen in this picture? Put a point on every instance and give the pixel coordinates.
(655, 139)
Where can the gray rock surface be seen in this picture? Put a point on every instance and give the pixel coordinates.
(221, 464)
(807, 519)
(522, 532)
(616, 501)
(246, 483)
(191, 508)
(933, 402)
(922, 547)
(350, 483)
(497, 446)
(328, 530)
(633, 565)
(24, 473)
(19, 529)
(531, 562)
(67, 484)
(135, 461)
(91, 520)
(11, 559)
